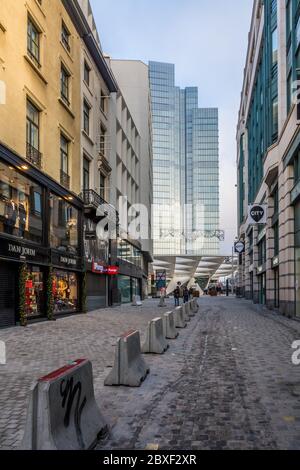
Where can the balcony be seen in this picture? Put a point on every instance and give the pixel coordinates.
(33, 156)
(91, 199)
(64, 179)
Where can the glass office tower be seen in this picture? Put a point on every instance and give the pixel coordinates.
(186, 168)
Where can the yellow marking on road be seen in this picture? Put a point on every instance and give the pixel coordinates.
(152, 447)
(289, 419)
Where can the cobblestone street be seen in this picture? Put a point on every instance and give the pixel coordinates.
(227, 382)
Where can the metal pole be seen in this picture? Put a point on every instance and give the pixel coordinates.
(232, 271)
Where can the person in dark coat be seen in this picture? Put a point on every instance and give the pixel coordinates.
(177, 296)
(186, 295)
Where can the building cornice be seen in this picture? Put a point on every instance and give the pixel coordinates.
(81, 24)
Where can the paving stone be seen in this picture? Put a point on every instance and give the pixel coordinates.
(227, 382)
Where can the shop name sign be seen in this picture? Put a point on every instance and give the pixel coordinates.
(257, 214)
(100, 269)
(68, 261)
(21, 250)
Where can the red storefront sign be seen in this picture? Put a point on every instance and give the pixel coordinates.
(101, 269)
(112, 270)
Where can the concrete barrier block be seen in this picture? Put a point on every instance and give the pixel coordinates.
(155, 340)
(190, 309)
(169, 328)
(137, 301)
(195, 305)
(185, 309)
(130, 368)
(62, 412)
(179, 318)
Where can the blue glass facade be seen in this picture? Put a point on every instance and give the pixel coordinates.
(186, 167)
(262, 121)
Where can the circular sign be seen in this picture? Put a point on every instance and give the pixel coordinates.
(257, 213)
(239, 247)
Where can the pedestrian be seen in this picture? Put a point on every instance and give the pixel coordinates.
(177, 296)
(186, 295)
(191, 293)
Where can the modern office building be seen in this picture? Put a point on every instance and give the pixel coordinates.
(185, 168)
(268, 144)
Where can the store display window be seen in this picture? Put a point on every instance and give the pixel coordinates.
(20, 205)
(63, 225)
(65, 292)
(34, 292)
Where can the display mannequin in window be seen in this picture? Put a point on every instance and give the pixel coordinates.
(22, 214)
(10, 216)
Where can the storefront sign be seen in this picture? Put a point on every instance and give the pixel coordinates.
(22, 252)
(112, 270)
(275, 262)
(68, 261)
(100, 269)
(65, 260)
(257, 214)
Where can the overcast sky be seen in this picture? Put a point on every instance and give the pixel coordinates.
(207, 42)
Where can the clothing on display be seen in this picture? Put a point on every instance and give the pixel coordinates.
(65, 291)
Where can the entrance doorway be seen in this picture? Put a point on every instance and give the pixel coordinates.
(8, 294)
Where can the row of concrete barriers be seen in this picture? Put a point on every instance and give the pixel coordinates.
(63, 413)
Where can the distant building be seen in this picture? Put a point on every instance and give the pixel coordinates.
(185, 168)
(131, 179)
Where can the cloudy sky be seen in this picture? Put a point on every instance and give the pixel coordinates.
(207, 42)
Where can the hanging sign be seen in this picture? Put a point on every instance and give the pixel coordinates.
(239, 247)
(257, 214)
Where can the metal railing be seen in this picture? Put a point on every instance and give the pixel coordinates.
(64, 179)
(33, 155)
(91, 198)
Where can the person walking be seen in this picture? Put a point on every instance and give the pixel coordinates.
(186, 295)
(177, 296)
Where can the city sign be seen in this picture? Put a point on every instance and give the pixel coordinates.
(239, 247)
(257, 214)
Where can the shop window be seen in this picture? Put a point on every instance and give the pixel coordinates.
(94, 248)
(65, 292)
(20, 205)
(124, 286)
(34, 292)
(63, 225)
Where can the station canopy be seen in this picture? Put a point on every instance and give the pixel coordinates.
(190, 269)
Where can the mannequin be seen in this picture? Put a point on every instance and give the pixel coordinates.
(22, 214)
(10, 216)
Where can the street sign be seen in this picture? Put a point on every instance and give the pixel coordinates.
(239, 247)
(257, 214)
(161, 279)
